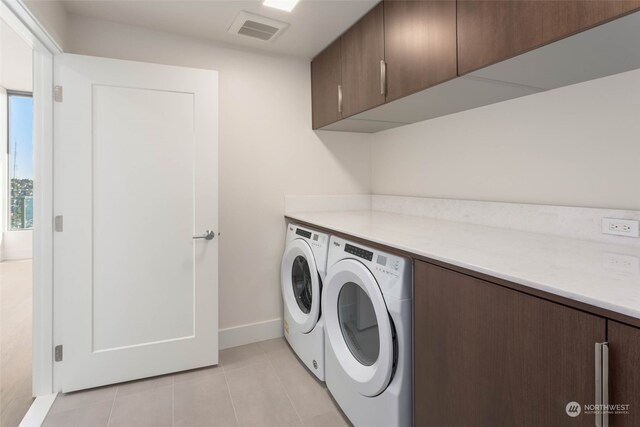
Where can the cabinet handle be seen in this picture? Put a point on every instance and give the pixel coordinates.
(602, 384)
(383, 77)
(598, 401)
(605, 384)
(339, 98)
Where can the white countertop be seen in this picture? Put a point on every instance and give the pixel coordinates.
(599, 274)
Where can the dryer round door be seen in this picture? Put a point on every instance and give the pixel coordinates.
(358, 326)
(300, 285)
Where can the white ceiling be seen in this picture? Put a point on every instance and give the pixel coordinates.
(314, 23)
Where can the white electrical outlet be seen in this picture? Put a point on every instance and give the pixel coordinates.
(621, 263)
(621, 227)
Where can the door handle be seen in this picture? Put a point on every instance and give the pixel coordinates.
(208, 235)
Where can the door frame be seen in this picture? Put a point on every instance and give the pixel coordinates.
(21, 20)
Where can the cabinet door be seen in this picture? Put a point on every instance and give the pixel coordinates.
(362, 51)
(325, 79)
(490, 31)
(420, 44)
(624, 373)
(486, 355)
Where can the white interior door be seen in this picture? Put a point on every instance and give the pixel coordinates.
(135, 179)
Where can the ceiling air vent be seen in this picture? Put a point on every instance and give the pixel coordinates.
(256, 26)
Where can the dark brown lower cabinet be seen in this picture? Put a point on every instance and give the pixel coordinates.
(624, 374)
(486, 355)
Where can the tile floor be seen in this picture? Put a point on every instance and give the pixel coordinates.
(261, 384)
(15, 341)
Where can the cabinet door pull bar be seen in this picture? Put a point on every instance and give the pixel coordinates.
(383, 77)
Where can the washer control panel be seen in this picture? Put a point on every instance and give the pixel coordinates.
(318, 241)
(315, 239)
(304, 233)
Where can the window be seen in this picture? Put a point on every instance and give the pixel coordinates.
(20, 153)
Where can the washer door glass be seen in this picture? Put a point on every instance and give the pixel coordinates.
(358, 323)
(358, 327)
(301, 283)
(301, 286)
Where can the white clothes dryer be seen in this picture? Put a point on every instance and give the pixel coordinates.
(302, 272)
(367, 303)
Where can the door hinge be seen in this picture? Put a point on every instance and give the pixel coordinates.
(57, 93)
(58, 353)
(58, 223)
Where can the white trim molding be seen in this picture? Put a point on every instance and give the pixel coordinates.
(248, 334)
(38, 411)
(32, 30)
(43, 223)
(21, 20)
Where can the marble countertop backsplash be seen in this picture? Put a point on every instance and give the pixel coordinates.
(559, 250)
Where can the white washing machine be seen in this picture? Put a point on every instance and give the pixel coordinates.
(303, 269)
(367, 303)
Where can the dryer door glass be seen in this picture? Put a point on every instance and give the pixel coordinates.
(358, 323)
(301, 282)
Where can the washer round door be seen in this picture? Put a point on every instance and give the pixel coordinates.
(358, 326)
(300, 285)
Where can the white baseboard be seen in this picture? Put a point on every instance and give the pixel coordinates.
(16, 255)
(247, 334)
(38, 411)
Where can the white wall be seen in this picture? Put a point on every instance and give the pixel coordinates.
(51, 14)
(16, 73)
(15, 60)
(574, 146)
(267, 150)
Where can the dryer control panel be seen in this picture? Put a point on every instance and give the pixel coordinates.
(362, 253)
(393, 273)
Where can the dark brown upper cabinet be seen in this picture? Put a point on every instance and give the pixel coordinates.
(411, 60)
(420, 45)
(362, 63)
(325, 86)
(490, 31)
